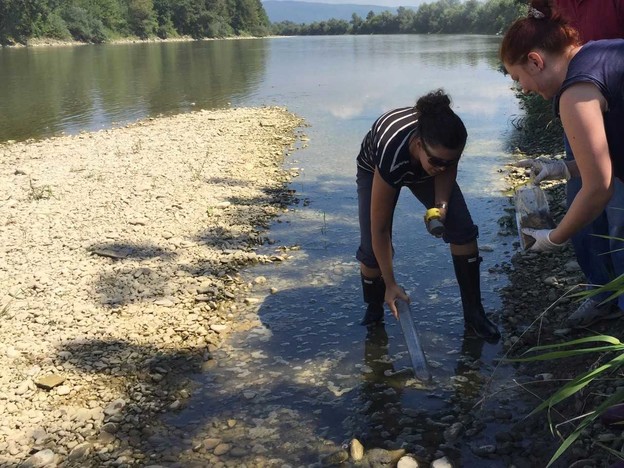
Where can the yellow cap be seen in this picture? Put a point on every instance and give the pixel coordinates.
(432, 213)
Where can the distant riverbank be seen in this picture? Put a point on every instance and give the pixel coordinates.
(51, 42)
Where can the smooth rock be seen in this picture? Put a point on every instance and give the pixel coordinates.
(408, 462)
(41, 458)
(356, 450)
(49, 381)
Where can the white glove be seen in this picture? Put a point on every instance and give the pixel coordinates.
(546, 169)
(542, 240)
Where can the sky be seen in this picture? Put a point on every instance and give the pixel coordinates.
(386, 3)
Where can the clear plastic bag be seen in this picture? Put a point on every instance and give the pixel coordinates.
(531, 212)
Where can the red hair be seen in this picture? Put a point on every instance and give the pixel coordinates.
(544, 28)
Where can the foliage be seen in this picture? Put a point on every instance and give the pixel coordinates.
(608, 344)
(98, 20)
(443, 17)
(609, 347)
(538, 130)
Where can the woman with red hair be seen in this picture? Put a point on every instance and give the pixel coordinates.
(544, 54)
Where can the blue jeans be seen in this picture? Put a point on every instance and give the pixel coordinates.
(592, 255)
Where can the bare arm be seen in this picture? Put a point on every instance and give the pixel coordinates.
(382, 208)
(444, 182)
(581, 108)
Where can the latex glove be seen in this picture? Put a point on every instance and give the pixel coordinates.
(542, 240)
(546, 169)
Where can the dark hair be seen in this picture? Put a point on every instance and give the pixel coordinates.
(544, 28)
(438, 124)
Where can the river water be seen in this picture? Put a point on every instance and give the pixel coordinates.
(307, 373)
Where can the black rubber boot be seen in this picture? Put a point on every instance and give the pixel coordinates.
(374, 290)
(467, 274)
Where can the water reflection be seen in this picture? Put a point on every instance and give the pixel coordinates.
(380, 390)
(46, 91)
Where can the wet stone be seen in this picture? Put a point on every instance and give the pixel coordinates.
(335, 458)
(238, 452)
(356, 450)
(442, 463)
(409, 462)
(221, 449)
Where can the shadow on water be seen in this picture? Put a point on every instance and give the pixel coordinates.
(308, 378)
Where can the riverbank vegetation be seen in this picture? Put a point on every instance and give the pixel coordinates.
(441, 17)
(92, 21)
(99, 21)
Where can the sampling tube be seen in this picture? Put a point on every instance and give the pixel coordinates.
(419, 362)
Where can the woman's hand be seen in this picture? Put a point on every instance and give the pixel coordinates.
(394, 292)
(542, 240)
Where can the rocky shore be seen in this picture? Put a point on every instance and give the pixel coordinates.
(120, 253)
(536, 303)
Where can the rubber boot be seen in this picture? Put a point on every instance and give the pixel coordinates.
(374, 290)
(467, 274)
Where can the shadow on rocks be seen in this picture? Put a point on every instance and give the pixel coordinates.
(136, 382)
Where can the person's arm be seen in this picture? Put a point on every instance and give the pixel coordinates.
(581, 108)
(444, 182)
(382, 209)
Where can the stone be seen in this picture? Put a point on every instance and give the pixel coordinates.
(441, 463)
(221, 449)
(114, 407)
(41, 458)
(211, 443)
(408, 462)
(49, 381)
(80, 451)
(63, 390)
(335, 459)
(356, 450)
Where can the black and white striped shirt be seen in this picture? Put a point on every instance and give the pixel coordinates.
(386, 147)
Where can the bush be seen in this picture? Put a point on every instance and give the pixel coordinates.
(54, 26)
(82, 26)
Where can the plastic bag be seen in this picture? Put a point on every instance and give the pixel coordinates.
(531, 212)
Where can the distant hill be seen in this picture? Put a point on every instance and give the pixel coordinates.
(309, 12)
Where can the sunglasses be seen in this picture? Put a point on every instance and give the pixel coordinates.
(439, 162)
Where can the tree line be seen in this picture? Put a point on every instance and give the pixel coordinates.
(101, 20)
(441, 17)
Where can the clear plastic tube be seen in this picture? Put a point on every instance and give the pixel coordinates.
(419, 362)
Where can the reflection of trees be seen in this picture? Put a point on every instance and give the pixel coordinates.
(92, 86)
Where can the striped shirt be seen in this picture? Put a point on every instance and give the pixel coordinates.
(386, 148)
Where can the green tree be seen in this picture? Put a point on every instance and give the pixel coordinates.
(356, 23)
(142, 18)
(18, 19)
(249, 17)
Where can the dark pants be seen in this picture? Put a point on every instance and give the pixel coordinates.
(459, 228)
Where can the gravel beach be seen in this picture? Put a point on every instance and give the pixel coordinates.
(119, 248)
